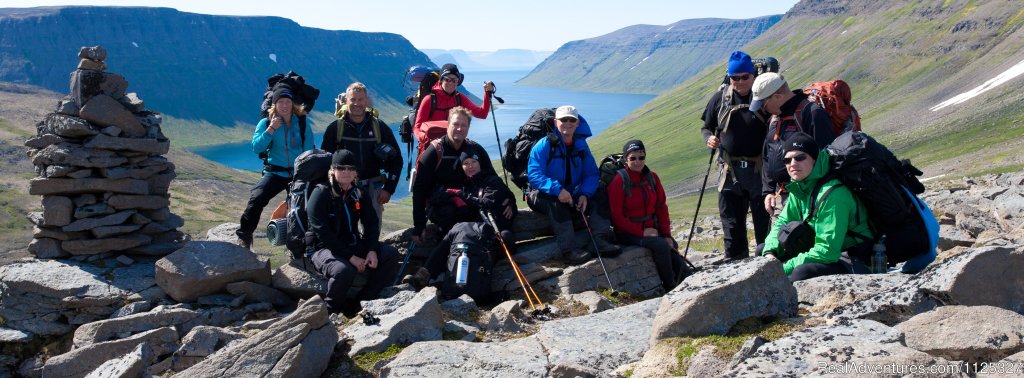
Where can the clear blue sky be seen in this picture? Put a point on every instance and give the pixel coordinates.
(480, 25)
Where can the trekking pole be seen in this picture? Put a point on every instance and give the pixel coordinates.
(497, 138)
(523, 281)
(615, 293)
(405, 262)
(700, 198)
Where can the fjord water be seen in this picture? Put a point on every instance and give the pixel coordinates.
(600, 110)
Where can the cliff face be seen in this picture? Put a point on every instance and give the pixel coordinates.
(646, 58)
(903, 60)
(195, 66)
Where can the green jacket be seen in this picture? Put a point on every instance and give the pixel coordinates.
(839, 213)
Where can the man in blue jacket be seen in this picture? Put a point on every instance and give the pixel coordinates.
(563, 180)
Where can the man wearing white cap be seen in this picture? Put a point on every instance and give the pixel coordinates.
(791, 113)
(563, 177)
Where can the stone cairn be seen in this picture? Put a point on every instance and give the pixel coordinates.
(99, 166)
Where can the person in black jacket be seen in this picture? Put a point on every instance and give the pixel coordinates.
(336, 210)
(486, 191)
(360, 131)
(438, 167)
(738, 135)
(792, 113)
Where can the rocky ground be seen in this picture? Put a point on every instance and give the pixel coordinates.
(213, 309)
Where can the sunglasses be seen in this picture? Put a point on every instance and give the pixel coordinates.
(450, 79)
(568, 120)
(742, 77)
(798, 158)
(635, 158)
(345, 167)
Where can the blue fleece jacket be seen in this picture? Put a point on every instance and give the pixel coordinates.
(285, 144)
(546, 170)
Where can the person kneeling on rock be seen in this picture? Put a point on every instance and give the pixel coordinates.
(821, 219)
(335, 210)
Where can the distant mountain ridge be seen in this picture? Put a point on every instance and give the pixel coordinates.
(645, 58)
(504, 59)
(201, 67)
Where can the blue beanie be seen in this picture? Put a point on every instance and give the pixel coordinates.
(739, 63)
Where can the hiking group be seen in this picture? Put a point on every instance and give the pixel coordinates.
(824, 197)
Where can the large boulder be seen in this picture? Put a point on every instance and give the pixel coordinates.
(298, 281)
(975, 278)
(714, 300)
(975, 334)
(633, 271)
(826, 293)
(223, 232)
(129, 365)
(838, 349)
(592, 344)
(46, 297)
(81, 361)
(299, 345)
(110, 329)
(417, 320)
(202, 268)
(513, 358)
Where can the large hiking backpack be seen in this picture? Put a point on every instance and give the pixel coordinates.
(613, 165)
(479, 238)
(426, 77)
(517, 150)
(834, 97)
(310, 169)
(887, 187)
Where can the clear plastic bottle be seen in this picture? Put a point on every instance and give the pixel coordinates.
(879, 261)
(462, 265)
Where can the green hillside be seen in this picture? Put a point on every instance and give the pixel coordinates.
(900, 58)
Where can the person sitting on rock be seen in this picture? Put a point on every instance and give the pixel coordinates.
(486, 191)
(336, 210)
(838, 230)
(281, 147)
(563, 176)
(640, 216)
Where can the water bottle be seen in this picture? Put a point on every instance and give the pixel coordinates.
(879, 261)
(462, 265)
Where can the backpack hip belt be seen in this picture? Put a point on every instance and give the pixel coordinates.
(369, 181)
(276, 168)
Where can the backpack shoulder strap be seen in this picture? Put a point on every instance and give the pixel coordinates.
(437, 151)
(376, 126)
(302, 129)
(627, 184)
(816, 202)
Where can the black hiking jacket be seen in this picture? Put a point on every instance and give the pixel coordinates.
(745, 135)
(434, 171)
(360, 139)
(335, 222)
(813, 120)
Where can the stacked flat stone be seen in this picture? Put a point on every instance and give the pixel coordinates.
(99, 166)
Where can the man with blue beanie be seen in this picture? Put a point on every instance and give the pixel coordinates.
(738, 135)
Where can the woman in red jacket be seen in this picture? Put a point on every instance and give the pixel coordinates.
(640, 215)
(444, 96)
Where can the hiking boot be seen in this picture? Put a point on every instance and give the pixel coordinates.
(577, 256)
(245, 241)
(605, 247)
(418, 280)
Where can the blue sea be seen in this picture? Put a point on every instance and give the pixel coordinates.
(600, 109)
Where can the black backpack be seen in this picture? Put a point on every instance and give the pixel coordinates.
(310, 169)
(426, 77)
(887, 187)
(479, 238)
(517, 150)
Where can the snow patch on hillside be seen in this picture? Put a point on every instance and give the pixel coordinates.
(273, 57)
(1011, 73)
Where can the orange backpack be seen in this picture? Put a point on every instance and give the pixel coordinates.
(834, 97)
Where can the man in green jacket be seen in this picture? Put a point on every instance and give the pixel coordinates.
(839, 224)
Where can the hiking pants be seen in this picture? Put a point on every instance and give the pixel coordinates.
(560, 216)
(667, 261)
(734, 201)
(261, 194)
(340, 273)
(845, 265)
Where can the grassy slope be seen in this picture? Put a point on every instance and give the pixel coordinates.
(891, 57)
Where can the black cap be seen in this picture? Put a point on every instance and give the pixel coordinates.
(468, 155)
(803, 143)
(343, 157)
(633, 145)
(449, 69)
(281, 90)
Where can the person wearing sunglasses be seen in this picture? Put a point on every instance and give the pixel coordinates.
(443, 97)
(791, 113)
(563, 178)
(738, 135)
(336, 210)
(838, 229)
(640, 216)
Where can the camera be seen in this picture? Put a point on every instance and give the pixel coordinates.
(384, 152)
(763, 65)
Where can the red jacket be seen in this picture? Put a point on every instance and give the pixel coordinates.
(444, 103)
(644, 202)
